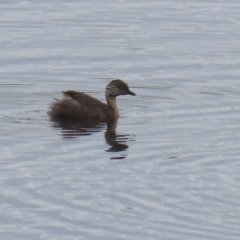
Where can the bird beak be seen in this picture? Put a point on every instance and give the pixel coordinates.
(131, 93)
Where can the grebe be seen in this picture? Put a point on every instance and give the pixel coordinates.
(79, 104)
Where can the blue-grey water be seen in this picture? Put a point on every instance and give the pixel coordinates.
(170, 170)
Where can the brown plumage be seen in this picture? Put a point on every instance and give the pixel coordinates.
(79, 104)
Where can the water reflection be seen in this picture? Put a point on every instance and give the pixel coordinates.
(74, 127)
(116, 141)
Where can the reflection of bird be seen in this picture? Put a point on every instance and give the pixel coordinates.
(79, 104)
(116, 141)
(72, 127)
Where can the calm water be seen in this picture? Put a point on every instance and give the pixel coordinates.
(168, 168)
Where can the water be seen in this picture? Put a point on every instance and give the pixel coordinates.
(170, 170)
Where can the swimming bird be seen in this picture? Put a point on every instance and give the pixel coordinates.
(82, 105)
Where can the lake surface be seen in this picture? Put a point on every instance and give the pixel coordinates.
(168, 168)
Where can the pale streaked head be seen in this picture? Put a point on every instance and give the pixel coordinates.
(117, 87)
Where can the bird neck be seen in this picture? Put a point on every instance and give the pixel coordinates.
(111, 102)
